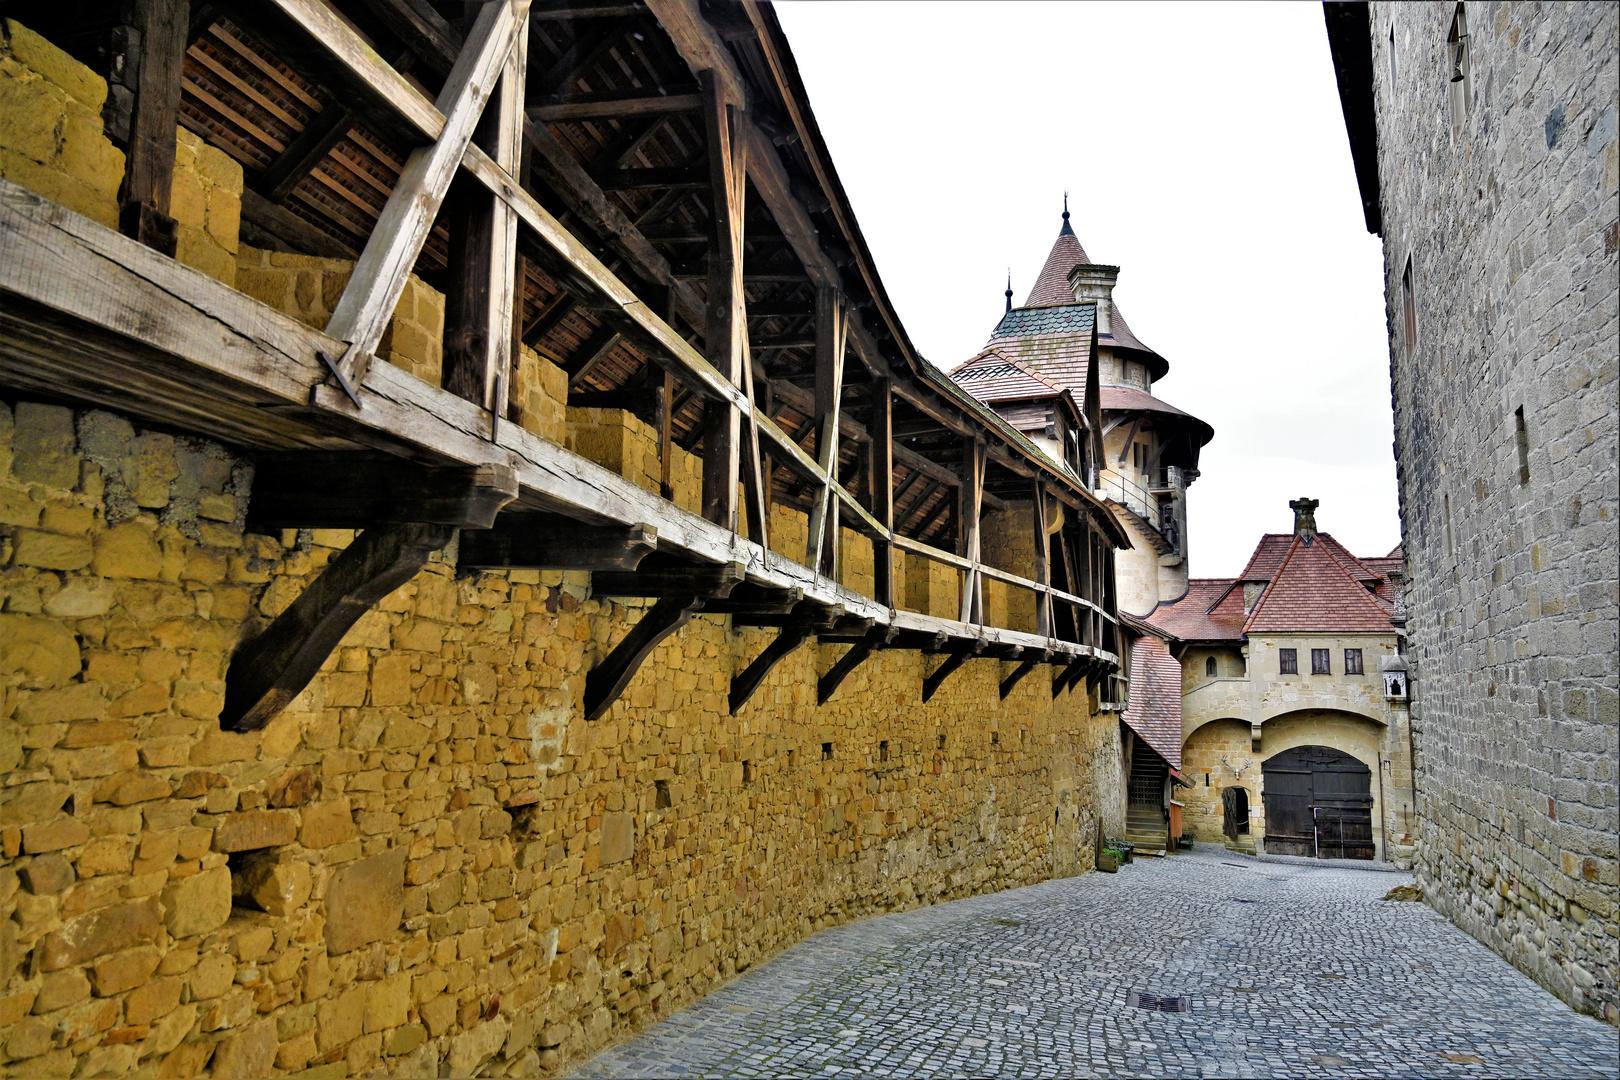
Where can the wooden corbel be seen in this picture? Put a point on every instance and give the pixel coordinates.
(751, 599)
(322, 490)
(543, 542)
(1028, 664)
(954, 660)
(272, 669)
(857, 655)
(1070, 674)
(607, 680)
(795, 632)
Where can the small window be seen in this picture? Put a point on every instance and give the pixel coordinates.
(1352, 662)
(1288, 661)
(1320, 664)
(1522, 437)
(661, 796)
(826, 751)
(883, 750)
(1451, 550)
(1209, 667)
(1458, 64)
(748, 772)
(942, 741)
(1409, 307)
(1392, 55)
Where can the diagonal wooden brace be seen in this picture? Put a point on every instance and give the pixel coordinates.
(1024, 668)
(269, 671)
(607, 680)
(933, 682)
(857, 655)
(785, 643)
(1070, 673)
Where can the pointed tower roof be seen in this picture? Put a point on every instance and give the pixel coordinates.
(1052, 287)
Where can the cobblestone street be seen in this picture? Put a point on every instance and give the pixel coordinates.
(1290, 970)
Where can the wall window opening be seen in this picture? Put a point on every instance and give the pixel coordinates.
(1392, 55)
(1521, 438)
(1209, 667)
(1461, 79)
(661, 796)
(826, 751)
(1352, 662)
(1288, 661)
(1408, 308)
(1320, 664)
(883, 750)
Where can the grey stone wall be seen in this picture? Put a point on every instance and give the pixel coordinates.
(1509, 221)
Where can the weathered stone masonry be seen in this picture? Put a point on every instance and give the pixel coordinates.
(432, 866)
(1505, 416)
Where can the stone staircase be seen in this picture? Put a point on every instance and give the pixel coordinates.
(1146, 827)
(1244, 844)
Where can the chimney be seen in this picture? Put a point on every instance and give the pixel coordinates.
(1305, 519)
(1094, 281)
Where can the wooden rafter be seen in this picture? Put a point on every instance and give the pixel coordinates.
(143, 211)
(822, 552)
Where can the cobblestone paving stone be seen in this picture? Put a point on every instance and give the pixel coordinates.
(1291, 971)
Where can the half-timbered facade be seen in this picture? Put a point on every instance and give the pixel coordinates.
(483, 557)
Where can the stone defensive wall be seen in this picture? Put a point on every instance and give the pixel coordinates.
(1497, 174)
(427, 861)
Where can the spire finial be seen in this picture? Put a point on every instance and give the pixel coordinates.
(1009, 288)
(1067, 228)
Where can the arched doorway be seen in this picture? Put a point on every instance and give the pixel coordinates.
(1319, 803)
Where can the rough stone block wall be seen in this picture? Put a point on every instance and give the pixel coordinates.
(932, 588)
(50, 126)
(1007, 542)
(206, 204)
(1509, 221)
(308, 288)
(51, 142)
(618, 440)
(428, 865)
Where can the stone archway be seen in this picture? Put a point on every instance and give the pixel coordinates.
(1319, 803)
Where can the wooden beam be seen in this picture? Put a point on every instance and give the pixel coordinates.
(1130, 439)
(328, 128)
(968, 539)
(881, 478)
(347, 490)
(549, 317)
(1043, 570)
(1025, 666)
(143, 201)
(1070, 674)
(573, 12)
(791, 636)
(700, 581)
(421, 29)
(653, 179)
(289, 228)
(845, 666)
(954, 660)
(607, 680)
(614, 105)
(368, 302)
(544, 542)
(478, 347)
(822, 550)
(592, 353)
(269, 671)
(751, 599)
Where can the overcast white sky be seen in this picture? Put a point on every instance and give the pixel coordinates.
(1203, 151)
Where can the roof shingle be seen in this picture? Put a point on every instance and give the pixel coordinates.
(1154, 711)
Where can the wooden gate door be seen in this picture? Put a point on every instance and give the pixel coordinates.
(1318, 802)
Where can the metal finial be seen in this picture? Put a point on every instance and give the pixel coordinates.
(1009, 288)
(1065, 206)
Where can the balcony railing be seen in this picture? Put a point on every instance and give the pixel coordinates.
(1157, 513)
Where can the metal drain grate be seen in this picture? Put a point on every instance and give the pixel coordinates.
(1157, 1003)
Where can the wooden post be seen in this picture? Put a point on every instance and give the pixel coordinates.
(881, 478)
(479, 303)
(367, 303)
(1043, 568)
(143, 205)
(972, 500)
(666, 419)
(727, 456)
(822, 555)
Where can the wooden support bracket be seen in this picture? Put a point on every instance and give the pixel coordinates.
(334, 490)
(1070, 674)
(535, 542)
(857, 655)
(751, 599)
(954, 660)
(607, 680)
(792, 635)
(704, 582)
(1027, 665)
(269, 671)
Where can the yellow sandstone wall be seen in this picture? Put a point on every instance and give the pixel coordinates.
(429, 865)
(51, 142)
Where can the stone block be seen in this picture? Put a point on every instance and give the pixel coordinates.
(469, 1051)
(326, 824)
(253, 829)
(365, 901)
(247, 1055)
(341, 1020)
(618, 838)
(51, 551)
(388, 1003)
(198, 904)
(100, 932)
(50, 62)
(128, 788)
(41, 653)
(43, 443)
(47, 875)
(129, 550)
(55, 835)
(125, 970)
(278, 888)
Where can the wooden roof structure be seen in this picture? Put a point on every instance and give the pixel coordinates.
(639, 192)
